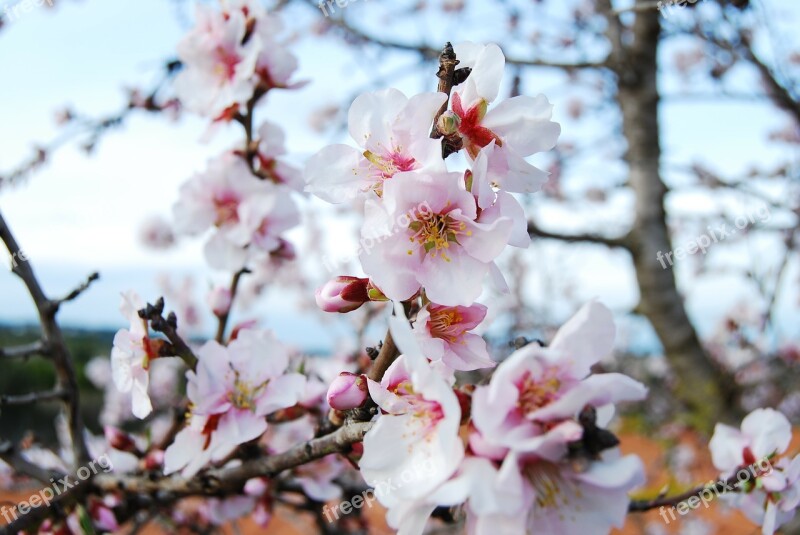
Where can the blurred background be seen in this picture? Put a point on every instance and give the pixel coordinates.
(677, 121)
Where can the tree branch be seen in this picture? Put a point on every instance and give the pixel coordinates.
(24, 351)
(223, 319)
(221, 480)
(34, 397)
(719, 487)
(535, 230)
(53, 338)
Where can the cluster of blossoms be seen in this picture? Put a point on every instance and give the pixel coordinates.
(524, 451)
(231, 60)
(517, 451)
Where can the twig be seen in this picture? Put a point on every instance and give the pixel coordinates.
(218, 481)
(535, 230)
(24, 351)
(21, 465)
(719, 487)
(224, 317)
(446, 73)
(34, 397)
(168, 327)
(77, 291)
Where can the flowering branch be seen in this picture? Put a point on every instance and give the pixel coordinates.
(168, 327)
(719, 487)
(222, 480)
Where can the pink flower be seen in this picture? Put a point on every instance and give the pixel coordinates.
(228, 55)
(131, 355)
(447, 249)
(347, 391)
(442, 333)
(518, 127)
(418, 428)
(770, 487)
(232, 391)
(248, 214)
(271, 146)
(392, 132)
(533, 398)
(219, 65)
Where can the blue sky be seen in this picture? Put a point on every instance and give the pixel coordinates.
(82, 213)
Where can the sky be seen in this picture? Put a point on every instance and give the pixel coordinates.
(81, 214)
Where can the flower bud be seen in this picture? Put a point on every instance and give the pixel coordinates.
(220, 299)
(119, 440)
(342, 294)
(348, 391)
(448, 123)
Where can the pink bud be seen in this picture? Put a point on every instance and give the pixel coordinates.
(219, 299)
(119, 440)
(154, 460)
(257, 486)
(342, 294)
(347, 391)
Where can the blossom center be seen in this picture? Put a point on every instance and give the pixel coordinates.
(436, 233)
(244, 393)
(227, 62)
(384, 167)
(446, 323)
(547, 482)
(536, 393)
(226, 206)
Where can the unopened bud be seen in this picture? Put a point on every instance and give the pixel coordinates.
(448, 123)
(348, 391)
(119, 440)
(342, 294)
(220, 299)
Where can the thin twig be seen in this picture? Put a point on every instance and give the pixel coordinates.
(24, 351)
(223, 318)
(34, 397)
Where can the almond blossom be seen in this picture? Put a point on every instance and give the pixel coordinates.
(248, 214)
(392, 132)
(419, 427)
(769, 490)
(228, 56)
(232, 391)
(447, 251)
(533, 398)
(131, 355)
(518, 127)
(443, 333)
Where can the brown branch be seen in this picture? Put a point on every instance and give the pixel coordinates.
(53, 338)
(168, 327)
(24, 351)
(21, 465)
(221, 480)
(429, 52)
(535, 230)
(77, 291)
(386, 356)
(34, 397)
(223, 318)
(446, 74)
(719, 487)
